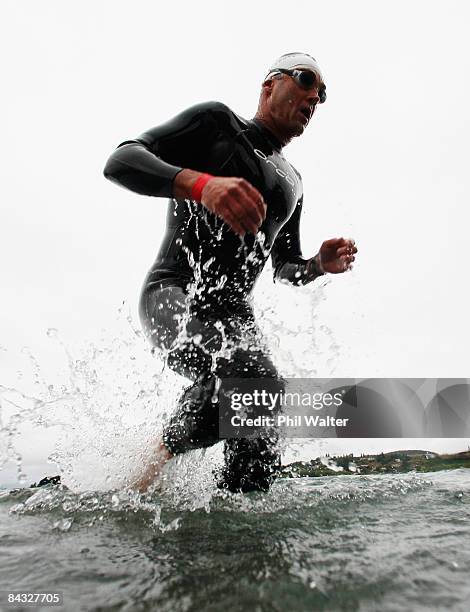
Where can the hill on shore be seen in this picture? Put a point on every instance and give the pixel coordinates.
(391, 462)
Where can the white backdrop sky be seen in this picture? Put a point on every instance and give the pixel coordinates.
(385, 160)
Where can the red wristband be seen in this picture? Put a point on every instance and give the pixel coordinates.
(199, 185)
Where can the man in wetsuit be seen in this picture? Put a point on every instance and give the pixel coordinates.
(233, 201)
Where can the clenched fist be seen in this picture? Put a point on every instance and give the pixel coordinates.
(235, 201)
(232, 199)
(337, 255)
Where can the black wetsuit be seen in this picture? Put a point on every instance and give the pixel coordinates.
(204, 273)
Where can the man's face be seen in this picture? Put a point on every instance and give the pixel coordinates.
(290, 105)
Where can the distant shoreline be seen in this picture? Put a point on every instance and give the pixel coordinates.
(395, 462)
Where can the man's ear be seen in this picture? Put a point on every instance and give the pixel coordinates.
(267, 86)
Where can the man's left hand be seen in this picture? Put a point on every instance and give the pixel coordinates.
(337, 254)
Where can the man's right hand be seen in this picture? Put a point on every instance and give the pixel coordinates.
(232, 199)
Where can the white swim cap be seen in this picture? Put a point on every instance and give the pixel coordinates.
(289, 61)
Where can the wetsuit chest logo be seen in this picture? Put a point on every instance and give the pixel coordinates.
(280, 172)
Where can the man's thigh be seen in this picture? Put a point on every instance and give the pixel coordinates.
(196, 340)
(170, 324)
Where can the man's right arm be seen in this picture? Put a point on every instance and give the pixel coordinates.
(149, 164)
(167, 160)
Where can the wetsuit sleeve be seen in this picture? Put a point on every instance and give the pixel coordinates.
(286, 254)
(148, 164)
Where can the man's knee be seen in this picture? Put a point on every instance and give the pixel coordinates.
(253, 363)
(195, 423)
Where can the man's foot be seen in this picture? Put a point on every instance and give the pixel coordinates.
(46, 480)
(161, 455)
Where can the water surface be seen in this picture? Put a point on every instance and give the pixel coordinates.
(388, 542)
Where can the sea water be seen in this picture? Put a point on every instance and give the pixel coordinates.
(386, 542)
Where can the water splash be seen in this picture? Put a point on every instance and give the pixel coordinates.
(108, 400)
(288, 494)
(111, 395)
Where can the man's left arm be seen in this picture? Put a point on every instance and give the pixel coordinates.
(335, 255)
(286, 255)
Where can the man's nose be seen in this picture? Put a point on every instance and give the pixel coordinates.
(313, 96)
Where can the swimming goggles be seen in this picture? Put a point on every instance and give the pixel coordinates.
(305, 79)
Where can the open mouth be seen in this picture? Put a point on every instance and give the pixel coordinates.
(307, 112)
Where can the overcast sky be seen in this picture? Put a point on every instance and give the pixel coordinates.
(385, 161)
